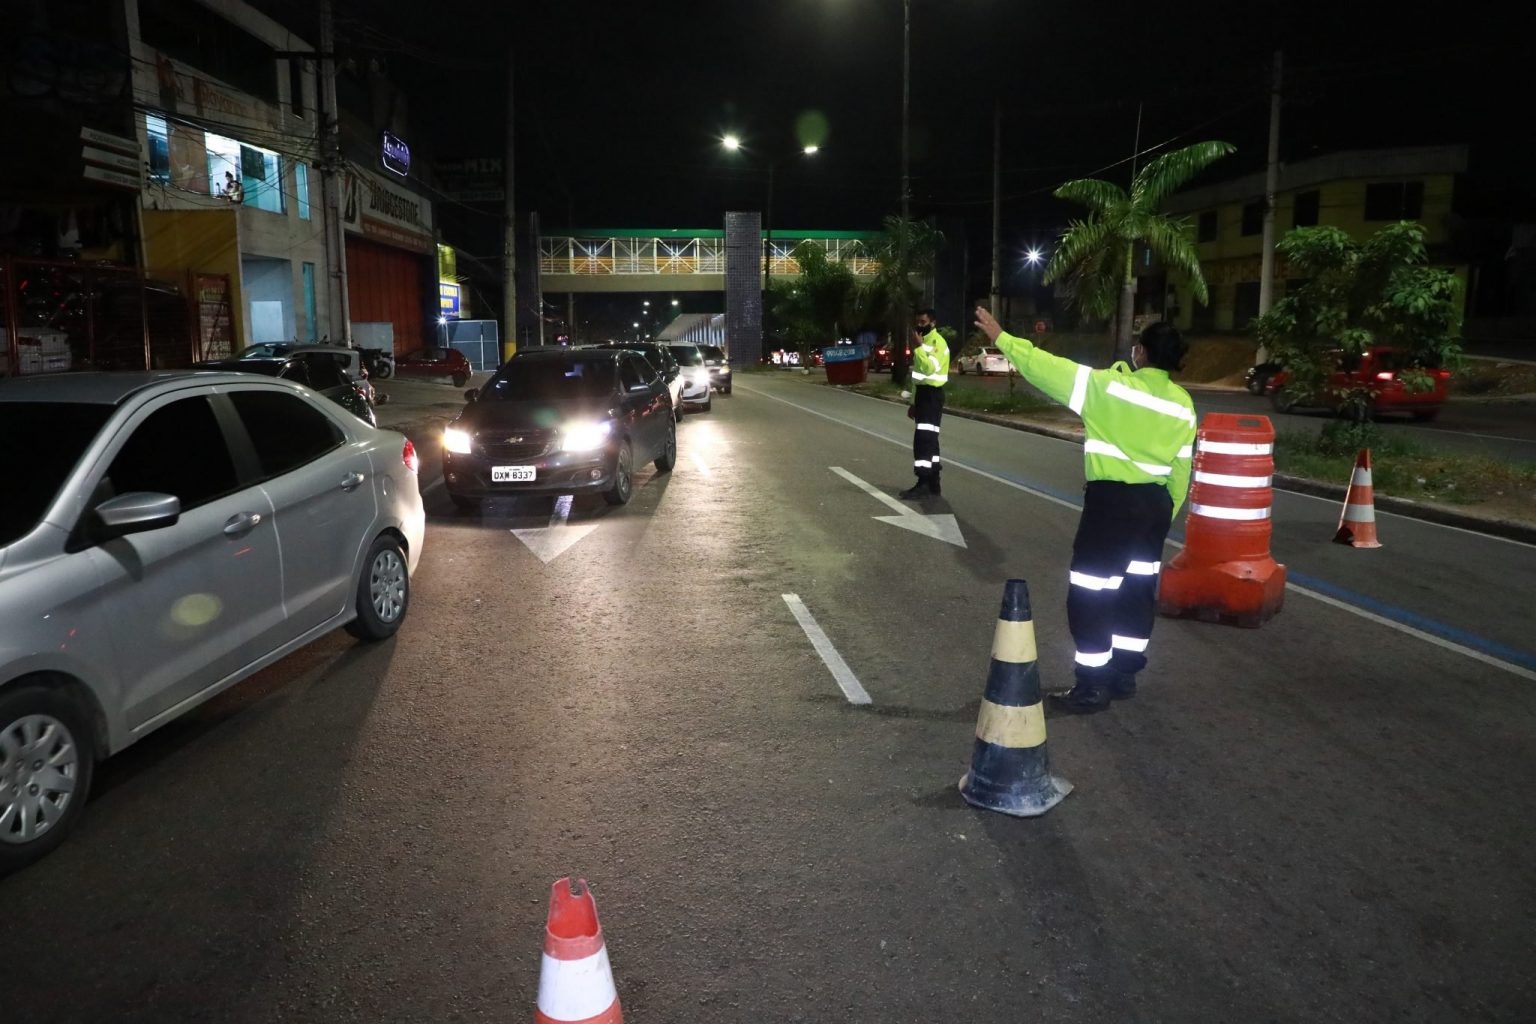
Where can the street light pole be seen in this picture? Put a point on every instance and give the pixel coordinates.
(768, 240)
(906, 108)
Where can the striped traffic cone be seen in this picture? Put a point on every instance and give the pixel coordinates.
(1357, 523)
(575, 981)
(1010, 771)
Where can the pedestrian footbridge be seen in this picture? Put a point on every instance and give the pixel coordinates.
(678, 260)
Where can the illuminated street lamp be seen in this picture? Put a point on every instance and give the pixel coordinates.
(1033, 257)
(731, 142)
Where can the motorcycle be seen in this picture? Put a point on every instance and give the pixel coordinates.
(380, 364)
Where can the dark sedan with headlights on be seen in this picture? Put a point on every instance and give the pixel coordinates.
(565, 421)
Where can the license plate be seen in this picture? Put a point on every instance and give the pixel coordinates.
(511, 474)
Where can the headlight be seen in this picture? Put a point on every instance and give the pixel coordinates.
(585, 437)
(702, 375)
(723, 368)
(456, 441)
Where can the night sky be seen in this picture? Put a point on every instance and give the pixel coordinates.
(621, 105)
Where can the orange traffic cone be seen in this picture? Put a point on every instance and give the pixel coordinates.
(575, 981)
(1357, 523)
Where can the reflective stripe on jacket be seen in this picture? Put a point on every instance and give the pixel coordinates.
(1139, 427)
(930, 361)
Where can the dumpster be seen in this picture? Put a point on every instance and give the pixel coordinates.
(846, 364)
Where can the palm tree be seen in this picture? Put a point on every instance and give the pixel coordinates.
(1096, 255)
(904, 249)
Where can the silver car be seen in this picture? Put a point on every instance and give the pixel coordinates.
(162, 537)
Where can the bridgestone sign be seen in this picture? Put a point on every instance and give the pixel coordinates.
(744, 288)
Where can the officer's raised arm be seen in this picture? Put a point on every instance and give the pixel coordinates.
(1060, 378)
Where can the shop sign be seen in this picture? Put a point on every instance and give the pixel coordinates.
(382, 210)
(448, 300)
(396, 155)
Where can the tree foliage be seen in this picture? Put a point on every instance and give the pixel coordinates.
(903, 250)
(1355, 295)
(812, 310)
(1094, 257)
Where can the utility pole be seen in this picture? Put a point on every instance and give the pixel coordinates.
(768, 242)
(509, 228)
(997, 205)
(337, 300)
(1271, 186)
(570, 297)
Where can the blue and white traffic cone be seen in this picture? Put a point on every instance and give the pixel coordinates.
(1010, 771)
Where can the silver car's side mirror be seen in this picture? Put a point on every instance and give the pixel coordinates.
(136, 512)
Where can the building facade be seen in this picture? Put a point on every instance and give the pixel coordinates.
(1360, 192)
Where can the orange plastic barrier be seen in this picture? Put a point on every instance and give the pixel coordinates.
(1225, 572)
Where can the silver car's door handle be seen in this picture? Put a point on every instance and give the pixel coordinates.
(352, 481)
(243, 522)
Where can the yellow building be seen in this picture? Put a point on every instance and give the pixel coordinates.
(1360, 191)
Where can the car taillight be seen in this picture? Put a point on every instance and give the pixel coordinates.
(1443, 374)
(1384, 375)
(409, 457)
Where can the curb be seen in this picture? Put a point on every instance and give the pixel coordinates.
(1405, 507)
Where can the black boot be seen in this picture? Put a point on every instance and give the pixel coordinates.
(917, 490)
(933, 486)
(1122, 686)
(1082, 699)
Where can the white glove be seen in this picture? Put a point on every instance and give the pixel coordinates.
(905, 395)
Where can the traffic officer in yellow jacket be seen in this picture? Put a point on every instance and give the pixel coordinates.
(1139, 433)
(930, 372)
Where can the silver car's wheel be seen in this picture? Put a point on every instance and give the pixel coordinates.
(46, 757)
(383, 591)
(386, 584)
(39, 767)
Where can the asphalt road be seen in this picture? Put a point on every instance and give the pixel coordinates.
(1498, 428)
(1325, 819)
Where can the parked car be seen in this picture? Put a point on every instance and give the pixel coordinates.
(985, 360)
(663, 362)
(698, 392)
(560, 421)
(164, 536)
(260, 350)
(1256, 380)
(880, 357)
(435, 361)
(719, 368)
(351, 360)
(1379, 371)
(315, 370)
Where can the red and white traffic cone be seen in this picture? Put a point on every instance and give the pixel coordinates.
(1357, 522)
(575, 981)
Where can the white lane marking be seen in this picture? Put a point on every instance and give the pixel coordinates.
(698, 461)
(548, 543)
(1430, 638)
(871, 490)
(902, 444)
(1400, 627)
(940, 526)
(846, 680)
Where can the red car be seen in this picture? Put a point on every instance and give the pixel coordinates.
(435, 361)
(1380, 371)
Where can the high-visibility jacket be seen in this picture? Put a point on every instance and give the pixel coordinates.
(1139, 426)
(930, 361)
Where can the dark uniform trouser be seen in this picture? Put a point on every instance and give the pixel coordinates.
(928, 408)
(1116, 557)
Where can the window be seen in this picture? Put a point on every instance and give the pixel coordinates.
(631, 376)
(256, 172)
(1304, 212)
(1207, 229)
(1253, 217)
(159, 148)
(311, 315)
(192, 33)
(1394, 200)
(40, 442)
(179, 449)
(551, 380)
(296, 86)
(286, 430)
(301, 188)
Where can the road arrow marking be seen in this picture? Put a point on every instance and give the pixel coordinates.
(942, 527)
(550, 542)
